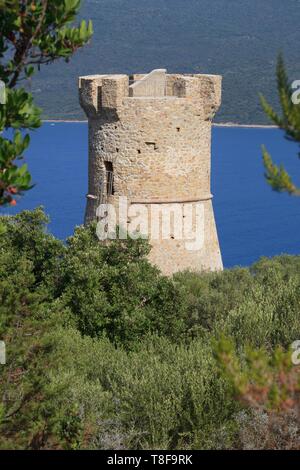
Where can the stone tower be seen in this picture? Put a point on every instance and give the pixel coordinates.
(150, 140)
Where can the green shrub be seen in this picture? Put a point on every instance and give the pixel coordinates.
(113, 290)
(105, 352)
(269, 317)
(268, 387)
(211, 296)
(26, 235)
(159, 396)
(259, 305)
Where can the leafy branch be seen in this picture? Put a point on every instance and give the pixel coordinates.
(276, 176)
(32, 33)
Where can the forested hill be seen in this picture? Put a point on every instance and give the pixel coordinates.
(239, 39)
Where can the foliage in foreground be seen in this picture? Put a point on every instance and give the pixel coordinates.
(276, 176)
(32, 33)
(269, 388)
(104, 352)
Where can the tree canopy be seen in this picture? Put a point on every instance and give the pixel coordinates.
(32, 33)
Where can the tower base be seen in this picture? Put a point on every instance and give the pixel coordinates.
(203, 254)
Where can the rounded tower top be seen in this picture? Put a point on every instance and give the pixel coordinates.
(101, 93)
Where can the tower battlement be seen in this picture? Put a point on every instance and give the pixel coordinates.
(110, 92)
(150, 140)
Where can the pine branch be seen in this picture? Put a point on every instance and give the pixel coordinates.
(277, 177)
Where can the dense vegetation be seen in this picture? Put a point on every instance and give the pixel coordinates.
(102, 350)
(105, 352)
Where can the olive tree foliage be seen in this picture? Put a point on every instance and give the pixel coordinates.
(289, 121)
(32, 33)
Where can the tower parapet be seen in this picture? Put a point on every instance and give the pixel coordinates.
(150, 140)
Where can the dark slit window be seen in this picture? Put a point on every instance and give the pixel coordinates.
(109, 170)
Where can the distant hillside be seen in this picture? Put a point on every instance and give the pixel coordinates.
(238, 39)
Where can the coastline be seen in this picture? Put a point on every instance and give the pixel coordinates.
(65, 120)
(215, 124)
(254, 126)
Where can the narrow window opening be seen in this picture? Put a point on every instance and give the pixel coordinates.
(178, 129)
(109, 172)
(139, 151)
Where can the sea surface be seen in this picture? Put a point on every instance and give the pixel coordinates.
(238, 39)
(252, 220)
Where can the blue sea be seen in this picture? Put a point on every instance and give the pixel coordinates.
(252, 220)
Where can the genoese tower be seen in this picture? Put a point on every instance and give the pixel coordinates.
(150, 143)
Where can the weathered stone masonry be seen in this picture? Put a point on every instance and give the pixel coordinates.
(154, 133)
